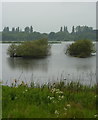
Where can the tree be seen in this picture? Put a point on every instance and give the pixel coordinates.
(80, 48)
(13, 29)
(18, 29)
(65, 29)
(51, 35)
(12, 50)
(27, 29)
(6, 29)
(61, 29)
(78, 29)
(31, 29)
(73, 29)
(37, 48)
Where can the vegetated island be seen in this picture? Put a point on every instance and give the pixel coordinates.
(34, 49)
(81, 48)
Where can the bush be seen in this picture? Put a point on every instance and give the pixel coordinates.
(37, 48)
(81, 48)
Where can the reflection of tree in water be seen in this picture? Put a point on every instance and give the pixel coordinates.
(28, 64)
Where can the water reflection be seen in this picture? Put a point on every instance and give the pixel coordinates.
(28, 64)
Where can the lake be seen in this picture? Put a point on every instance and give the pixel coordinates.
(53, 68)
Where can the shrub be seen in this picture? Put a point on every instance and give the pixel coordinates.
(36, 48)
(80, 48)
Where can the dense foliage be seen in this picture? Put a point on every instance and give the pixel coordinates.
(37, 48)
(80, 32)
(60, 101)
(80, 48)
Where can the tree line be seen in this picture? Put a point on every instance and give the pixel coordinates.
(79, 32)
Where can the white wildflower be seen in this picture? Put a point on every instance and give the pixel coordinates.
(54, 101)
(96, 116)
(56, 112)
(65, 108)
(68, 105)
(26, 90)
(53, 90)
(61, 92)
(62, 97)
(48, 97)
(51, 98)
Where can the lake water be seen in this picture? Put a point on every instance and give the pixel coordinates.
(53, 68)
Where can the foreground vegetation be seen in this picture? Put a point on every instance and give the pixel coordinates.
(81, 48)
(49, 101)
(35, 49)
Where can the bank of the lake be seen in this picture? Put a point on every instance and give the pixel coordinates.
(49, 101)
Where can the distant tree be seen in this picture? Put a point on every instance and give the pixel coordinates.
(31, 29)
(51, 35)
(73, 29)
(61, 29)
(27, 29)
(65, 29)
(78, 29)
(6, 29)
(13, 29)
(18, 29)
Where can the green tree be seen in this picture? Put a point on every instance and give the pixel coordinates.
(65, 29)
(27, 29)
(36, 48)
(80, 48)
(6, 29)
(31, 29)
(73, 29)
(13, 29)
(61, 29)
(12, 50)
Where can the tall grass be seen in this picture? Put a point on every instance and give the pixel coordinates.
(59, 100)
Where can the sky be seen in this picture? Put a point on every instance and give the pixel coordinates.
(48, 16)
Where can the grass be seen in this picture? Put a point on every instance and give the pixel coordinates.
(49, 101)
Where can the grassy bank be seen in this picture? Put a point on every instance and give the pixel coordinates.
(49, 101)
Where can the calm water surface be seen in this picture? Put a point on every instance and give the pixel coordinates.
(51, 69)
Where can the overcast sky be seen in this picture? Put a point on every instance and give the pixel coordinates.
(49, 16)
